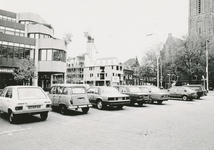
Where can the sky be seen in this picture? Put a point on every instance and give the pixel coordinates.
(120, 28)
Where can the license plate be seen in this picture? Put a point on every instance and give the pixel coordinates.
(34, 107)
(119, 98)
(82, 100)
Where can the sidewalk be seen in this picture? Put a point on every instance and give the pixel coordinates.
(210, 93)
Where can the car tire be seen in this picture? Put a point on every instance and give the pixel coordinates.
(184, 98)
(198, 97)
(152, 101)
(119, 106)
(12, 117)
(100, 104)
(160, 102)
(63, 109)
(132, 103)
(85, 110)
(44, 116)
(140, 103)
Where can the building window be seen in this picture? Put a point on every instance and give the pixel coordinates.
(4, 51)
(43, 55)
(53, 55)
(10, 51)
(49, 55)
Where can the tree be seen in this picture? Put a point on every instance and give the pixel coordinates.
(67, 38)
(190, 57)
(149, 63)
(25, 71)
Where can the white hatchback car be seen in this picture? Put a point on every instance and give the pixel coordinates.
(16, 100)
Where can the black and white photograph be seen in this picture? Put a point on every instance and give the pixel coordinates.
(106, 74)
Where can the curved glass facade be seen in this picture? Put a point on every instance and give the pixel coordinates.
(52, 55)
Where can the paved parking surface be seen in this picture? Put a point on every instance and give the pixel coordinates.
(174, 125)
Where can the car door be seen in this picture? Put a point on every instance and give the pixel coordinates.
(180, 92)
(52, 94)
(64, 97)
(6, 99)
(2, 98)
(172, 92)
(57, 96)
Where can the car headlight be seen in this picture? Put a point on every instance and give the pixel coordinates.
(18, 107)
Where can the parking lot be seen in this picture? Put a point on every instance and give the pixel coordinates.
(175, 124)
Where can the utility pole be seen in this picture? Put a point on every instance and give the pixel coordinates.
(207, 74)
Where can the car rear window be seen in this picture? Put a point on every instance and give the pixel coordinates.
(77, 90)
(194, 87)
(30, 93)
(134, 89)
(109, 90)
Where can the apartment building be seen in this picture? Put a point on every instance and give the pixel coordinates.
(27, 34)
(104, 72)
(75, 69)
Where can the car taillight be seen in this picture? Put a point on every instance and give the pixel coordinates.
(48, 105)
(18, 107)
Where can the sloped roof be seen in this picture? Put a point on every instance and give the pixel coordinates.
(132, 62)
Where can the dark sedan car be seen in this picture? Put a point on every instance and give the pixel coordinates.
(182, 92)
(157, 95)
(102, 96)
(200, 89)
(135, 94)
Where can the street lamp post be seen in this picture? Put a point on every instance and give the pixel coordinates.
(207, 78)
(157, 72)
(158, 57)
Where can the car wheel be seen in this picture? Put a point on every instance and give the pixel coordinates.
(12, 117)
(198, 97)
(85, 110)
(119, 106)
(44, 116)
(63, 109)
(100, 104)
(184, 98)
(152, 101)
(160, 102)
(132, 103)
(140, 103)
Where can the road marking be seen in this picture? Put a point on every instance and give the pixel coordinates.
(12, 131)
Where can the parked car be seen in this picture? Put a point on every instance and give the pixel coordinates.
(182, 92)
(157, 95)
(102, 96)
(200, 89)
(135, 94)
(69, 97)
(16, 100)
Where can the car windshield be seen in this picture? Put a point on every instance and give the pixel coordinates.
(155, 89)
(194, 87)
(187, 88)
(77, 90)
(109, 90)
(144, 89)
(134, 89)
(30, 93)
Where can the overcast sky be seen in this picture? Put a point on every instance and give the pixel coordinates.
(119, 27)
